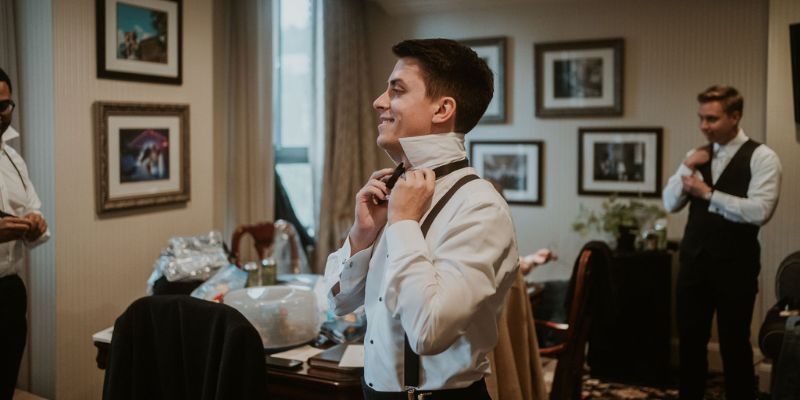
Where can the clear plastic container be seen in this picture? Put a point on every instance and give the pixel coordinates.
(284, 316)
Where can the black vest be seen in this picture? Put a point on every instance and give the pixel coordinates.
(711, 232)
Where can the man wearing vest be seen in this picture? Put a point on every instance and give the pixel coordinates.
(433, 265)
(732, 186)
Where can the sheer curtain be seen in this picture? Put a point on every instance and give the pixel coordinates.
(350, 151)
(243, 100)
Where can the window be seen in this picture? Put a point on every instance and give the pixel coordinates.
(296, 121)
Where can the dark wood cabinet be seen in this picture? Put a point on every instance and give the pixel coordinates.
(629, 339)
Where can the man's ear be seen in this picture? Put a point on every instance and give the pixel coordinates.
(736, 115)
(445, 111)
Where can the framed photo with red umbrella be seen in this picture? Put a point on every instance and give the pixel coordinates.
(141, 155)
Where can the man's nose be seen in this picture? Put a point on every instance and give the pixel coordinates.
(380, 103)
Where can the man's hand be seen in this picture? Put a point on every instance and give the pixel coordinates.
(698, 157)
(370, 216)
(411, 196)
(695, 186)
(13, 228)
(541, 256)
(38, 226)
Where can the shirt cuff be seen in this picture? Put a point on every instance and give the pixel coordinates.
(352, 269)
(683, 170)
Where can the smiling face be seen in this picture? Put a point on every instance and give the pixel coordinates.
(404, 109)
(717, 125)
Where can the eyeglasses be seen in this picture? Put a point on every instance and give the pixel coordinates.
(7, 106)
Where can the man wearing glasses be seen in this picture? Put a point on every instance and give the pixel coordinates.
(21, 225)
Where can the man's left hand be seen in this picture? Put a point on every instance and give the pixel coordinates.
(38, 226)
(695, 186)
(412, 195)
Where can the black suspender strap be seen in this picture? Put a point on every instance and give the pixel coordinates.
(410, 358)
(24, 186)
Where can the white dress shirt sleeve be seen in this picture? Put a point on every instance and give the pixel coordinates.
(435, 295)
(350, 274)
(673, 196)
(762, 193)
(33, 204)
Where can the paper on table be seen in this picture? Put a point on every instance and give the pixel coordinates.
(299, 354)
(353, 356)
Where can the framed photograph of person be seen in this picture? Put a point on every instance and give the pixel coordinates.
(139, 40)
(141, 155)
(493, 51)
(514, 166)
(579, 79)
(621, 161)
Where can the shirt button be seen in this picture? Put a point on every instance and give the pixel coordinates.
(370, 384)
(387, 255)
(380, 298)
(350, 265)
(371, 342)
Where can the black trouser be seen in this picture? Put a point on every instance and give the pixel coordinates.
(13, 332)
(476, 391)
(705, 285)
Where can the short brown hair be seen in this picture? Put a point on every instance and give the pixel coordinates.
(452, 69)
(728, 96)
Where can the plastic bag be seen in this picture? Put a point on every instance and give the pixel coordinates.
(189, 258)
(226, 279)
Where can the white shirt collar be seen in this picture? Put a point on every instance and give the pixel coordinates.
(733, 145)
(431, 151)
(9, 134)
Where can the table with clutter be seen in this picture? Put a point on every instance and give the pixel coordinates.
(286, 305)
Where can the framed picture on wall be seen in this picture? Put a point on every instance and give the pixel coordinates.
(493, 51)
(139, 40)
(622, 161)
(579, 79)
(141, 155)
(515, 166)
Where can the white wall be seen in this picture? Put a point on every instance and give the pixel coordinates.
(673, 50)
(782, 235)
(102, 264)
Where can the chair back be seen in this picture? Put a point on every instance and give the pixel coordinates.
(590, 269)
(264, 234)
(180, 347)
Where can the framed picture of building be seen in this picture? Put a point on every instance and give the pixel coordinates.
(141, 155)
(513, 166)
(139, 40)
(580, 78)
(621, 161)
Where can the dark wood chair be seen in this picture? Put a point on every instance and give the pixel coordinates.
(588, 277)
(263, 234)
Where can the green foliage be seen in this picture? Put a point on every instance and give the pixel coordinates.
(615, 213)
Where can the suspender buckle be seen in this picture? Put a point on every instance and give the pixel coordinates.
(414, 394)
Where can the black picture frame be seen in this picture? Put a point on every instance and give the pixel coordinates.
(574, 79)
(141, 155)
(516, 166)
(794, 43)
(154, 55)
(493, 51)
(622, 161)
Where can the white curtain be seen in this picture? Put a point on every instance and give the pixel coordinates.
(350, 150)
(244, 102)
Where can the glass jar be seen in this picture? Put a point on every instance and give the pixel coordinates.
(269, 272)
(253, 275)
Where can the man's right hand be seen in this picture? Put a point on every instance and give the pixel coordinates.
(699, 156)
(13, 228)
(370, 217)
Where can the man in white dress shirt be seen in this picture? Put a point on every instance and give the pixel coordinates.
(443, 289)
(732, 187)
(21, 225)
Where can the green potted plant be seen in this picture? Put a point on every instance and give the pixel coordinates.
(619, 218)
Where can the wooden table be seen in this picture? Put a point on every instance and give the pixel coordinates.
(282, 384)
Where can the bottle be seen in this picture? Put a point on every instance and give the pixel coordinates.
(269, 272)
(661, 233)
(253, 276)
